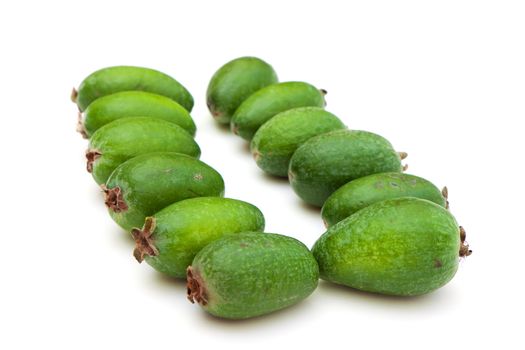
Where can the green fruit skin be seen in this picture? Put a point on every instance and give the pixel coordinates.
(404, 246)
(367, 190)
(152, 181)
(135, 104)
(276, 140)
(252, 274)
(262, 105)
(110, 80)
(184, 228)
(326, 162)
(234, 82)
(126, 138)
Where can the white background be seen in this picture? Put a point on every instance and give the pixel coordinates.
(442, 80)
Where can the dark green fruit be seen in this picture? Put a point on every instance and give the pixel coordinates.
(172, 237)
(404, 246)
(134, 104)
(110, 80)
(251, 274)
(276, 140)
(326, 162)
(364, 191)
(234, 82)
(262, 105)
(125, 138)
(143, 185)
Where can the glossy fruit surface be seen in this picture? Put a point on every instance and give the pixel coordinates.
(367, 190)
(178, 232)
(125, 138)
(143, 185)
(234, 82)
(251, 274)
(134, 104)
(404, 246)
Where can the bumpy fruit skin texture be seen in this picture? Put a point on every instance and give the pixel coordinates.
(367, 190)
(126, 138)
(276, 140)
(184, 228)
(252, 274)
(404, 246)
(234, 82)
(326, 162)
(152, 181)
(110, 80)
(262, 105)
(135, 104)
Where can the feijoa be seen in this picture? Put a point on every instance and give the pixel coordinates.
(262, 105)
(364, 191)
(234, 82)
(143, 185)
(326, 162)
(134, 104)
(403, 246)
(110, 80)
(251, 274)
(171, 238)
(125, 138)
(276, 140)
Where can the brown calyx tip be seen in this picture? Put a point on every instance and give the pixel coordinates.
(91, 155)
(144, 243)
(80, 126)
(464, 250)
(323, 91)
(405, 167)
(195, 287)
(114, 199)
(444, 193)
(402, 155)
(74, 95)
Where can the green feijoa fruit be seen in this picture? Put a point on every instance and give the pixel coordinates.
(251, 274)
(326, 162)
(234, 82)
(125, 138)
(262, 105)
(403, 246)
(171, 238)
(276, 140)
(133, 104)
(143, 185)
(110, 80)
(364, 191)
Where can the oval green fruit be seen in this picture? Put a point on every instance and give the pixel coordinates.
(367, 190)
(262, 105)
(110, 80)
(125, 138)
(276, 140)
(134, 104)
(251, 274)
(326, 162)
(143, 185)
(234, 82)
(404, 246)
(172, 237)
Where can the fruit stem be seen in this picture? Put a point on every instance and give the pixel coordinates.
(444, 193)
(114, 199)
(464, 250)
(144, 244)
(195, 287)
(91, 155)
